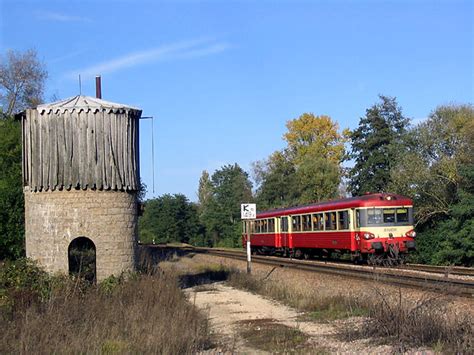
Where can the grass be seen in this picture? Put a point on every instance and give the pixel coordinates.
(139, 314)
(333, 308)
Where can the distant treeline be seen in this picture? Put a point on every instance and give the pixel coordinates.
(432, 162)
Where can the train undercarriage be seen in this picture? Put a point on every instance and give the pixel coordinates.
(391, 257)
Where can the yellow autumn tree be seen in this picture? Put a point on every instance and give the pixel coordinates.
(310, 135)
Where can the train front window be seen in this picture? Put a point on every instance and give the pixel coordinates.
(374, 216)
(386, 216)
(402, 215)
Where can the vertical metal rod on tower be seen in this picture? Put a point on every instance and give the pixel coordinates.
(153, 152)
(152, 118)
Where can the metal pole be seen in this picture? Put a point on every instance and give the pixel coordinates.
(153, 152)
(152, 118)
(249, 250)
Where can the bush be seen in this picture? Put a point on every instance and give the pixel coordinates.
(22, 283)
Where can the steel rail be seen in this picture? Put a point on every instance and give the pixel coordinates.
(445, 270)
(392, 276)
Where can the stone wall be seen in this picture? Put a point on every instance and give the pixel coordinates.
(108, 218)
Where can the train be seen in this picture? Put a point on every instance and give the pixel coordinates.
(375, 228)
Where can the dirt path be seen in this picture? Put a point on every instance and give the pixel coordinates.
(231, 310)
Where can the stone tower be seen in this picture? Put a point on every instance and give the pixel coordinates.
(81, 177)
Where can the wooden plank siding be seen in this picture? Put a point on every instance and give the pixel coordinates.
(81, 149)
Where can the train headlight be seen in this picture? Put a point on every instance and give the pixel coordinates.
(368, 236)
(411, 234)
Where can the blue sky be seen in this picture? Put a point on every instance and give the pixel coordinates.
(222, 78)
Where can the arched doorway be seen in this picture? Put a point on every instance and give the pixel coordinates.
(82, 258)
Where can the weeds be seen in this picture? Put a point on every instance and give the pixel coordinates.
(139, 314)
(429, 321)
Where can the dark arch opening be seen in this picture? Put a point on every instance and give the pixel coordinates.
(82, 258)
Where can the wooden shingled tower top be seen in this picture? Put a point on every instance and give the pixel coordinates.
(81, 143)
(84, 103)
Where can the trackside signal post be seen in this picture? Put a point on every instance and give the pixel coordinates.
(248, 212)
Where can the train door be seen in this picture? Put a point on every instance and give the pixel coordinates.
(277, 232)
(284, 226)
(354, 225)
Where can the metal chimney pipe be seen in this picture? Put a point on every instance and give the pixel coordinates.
(98, 87)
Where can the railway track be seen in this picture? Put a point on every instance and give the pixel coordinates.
(445, 270)
(438, 281)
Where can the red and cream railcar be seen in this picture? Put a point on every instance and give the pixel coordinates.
(374, 227)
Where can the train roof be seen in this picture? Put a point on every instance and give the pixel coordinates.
(369, 200)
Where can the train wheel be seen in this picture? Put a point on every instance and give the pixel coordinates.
(298, 254)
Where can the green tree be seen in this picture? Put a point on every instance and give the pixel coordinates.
(457, 245)
(22, 78)
(376, 145)
(437, 172)
(208, 212)
(276, 178)
(205, 191)
(169, 218)
(220, 213)
(11, 192)
(318, 179)
(232, 187)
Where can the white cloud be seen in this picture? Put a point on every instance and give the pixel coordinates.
(181, 50)
(56, 16)
(66, 56)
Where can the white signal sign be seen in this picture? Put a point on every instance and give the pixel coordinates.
(248, 211)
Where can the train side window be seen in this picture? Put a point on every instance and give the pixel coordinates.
(271, 225)
(318, 222)
(343, 220)
(264, 226)
(307, 222)
(357, 218)
(402, 215)
(330, 219)
(296, 223)
(284, 224)
(315, 222)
